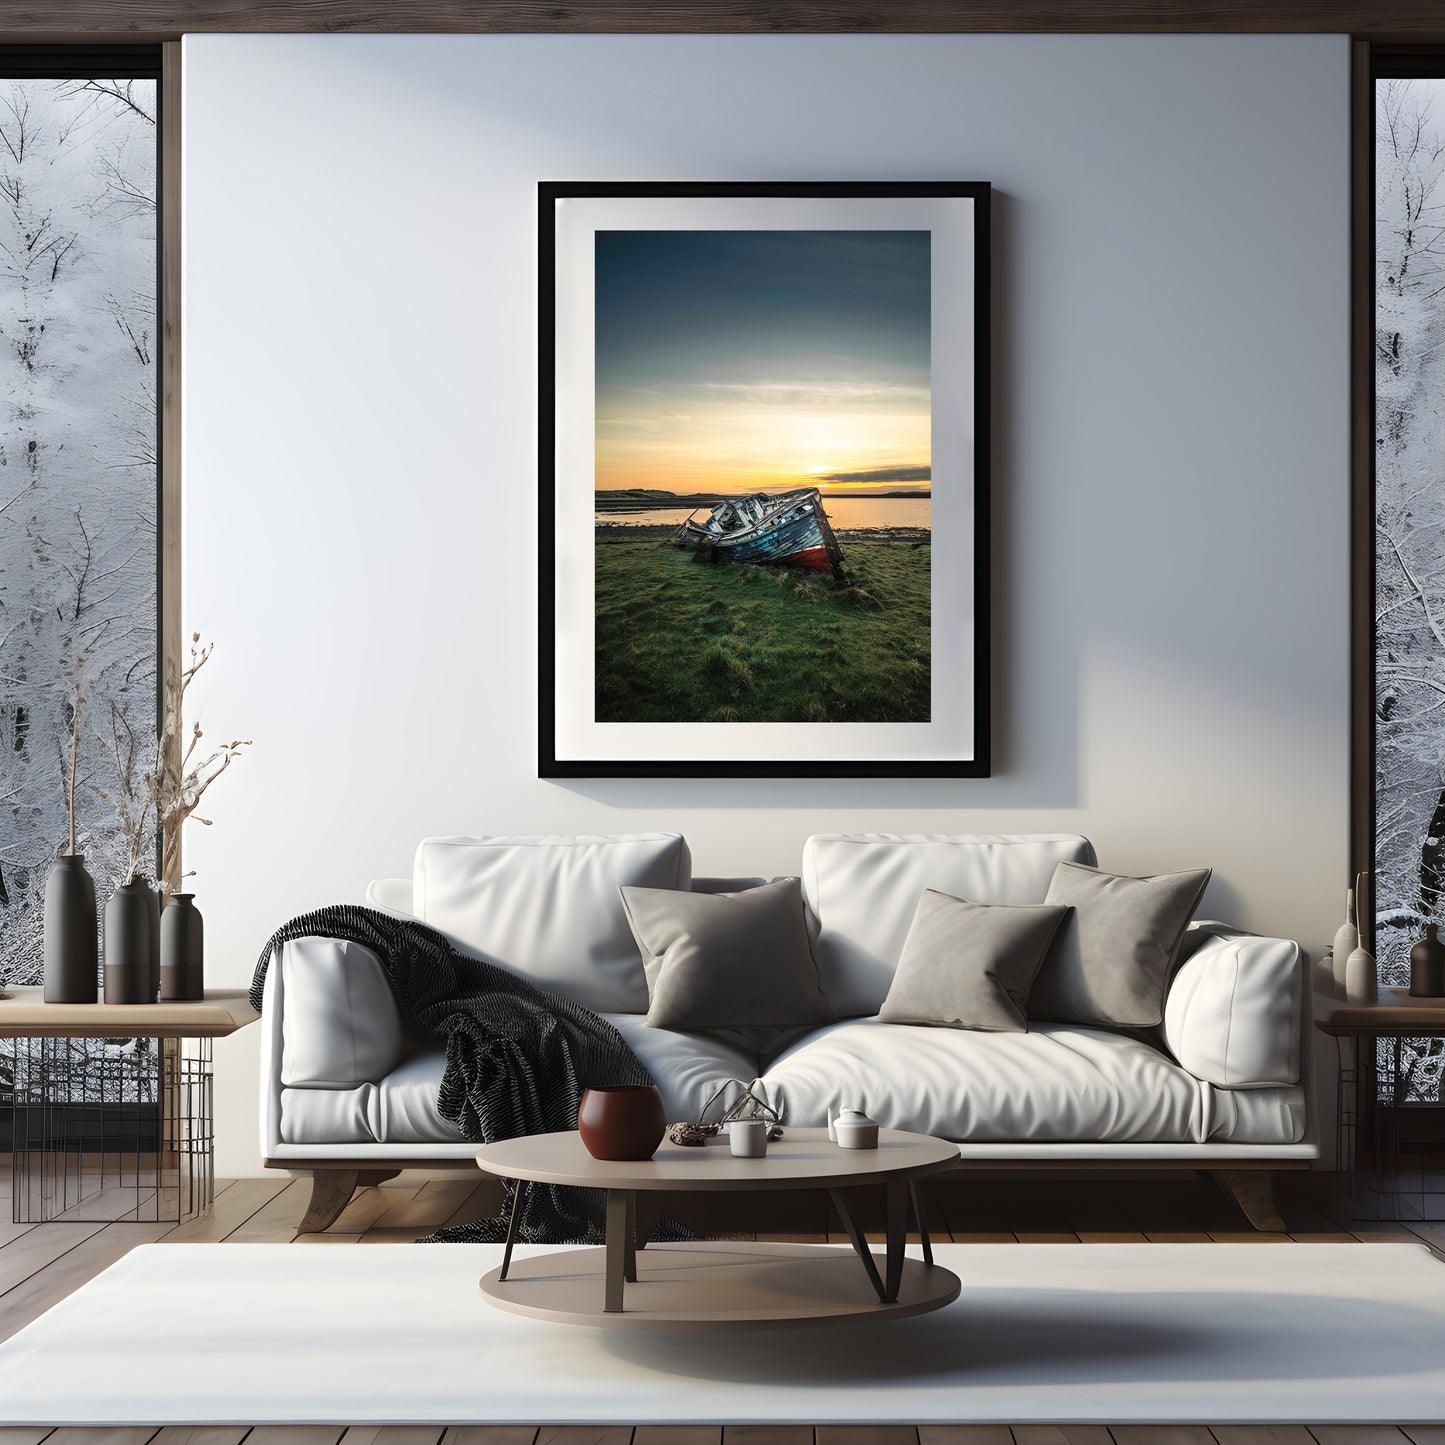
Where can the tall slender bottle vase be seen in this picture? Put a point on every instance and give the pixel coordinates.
(72, 937)
(1347, 940)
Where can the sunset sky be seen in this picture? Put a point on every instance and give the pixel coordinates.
(740, 361)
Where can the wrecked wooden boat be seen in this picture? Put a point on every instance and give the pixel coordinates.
(787, 529)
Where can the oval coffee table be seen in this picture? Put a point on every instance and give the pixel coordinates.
(723, 1285)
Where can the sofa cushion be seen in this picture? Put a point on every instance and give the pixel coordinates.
(1056, 1083)
(1111, 961)
(970, 965)
(549, 908)
(727, 960)
(1233, 1011)
(862, 889)
(340, 1026)
(1274, 1115)
(399, 1109)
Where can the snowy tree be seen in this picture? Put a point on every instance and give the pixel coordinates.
(1410, 533)
(78, 454)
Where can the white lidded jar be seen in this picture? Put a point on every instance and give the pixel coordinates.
(855, 1130)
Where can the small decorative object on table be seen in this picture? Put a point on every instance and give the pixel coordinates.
(748, 1138)
(855, 1130)
(750, 1105)
(182, 949)
(128, 944)
(1347, 940)
(1427, 965)
(622, 1121)
(1362, 978)
(691, 1136)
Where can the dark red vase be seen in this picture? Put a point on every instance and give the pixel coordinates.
(621, 1121)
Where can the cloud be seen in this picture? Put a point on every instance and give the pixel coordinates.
(882, 474)
(788, 394)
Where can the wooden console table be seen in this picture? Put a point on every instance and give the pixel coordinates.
(123, 1132)
(1376, 1096)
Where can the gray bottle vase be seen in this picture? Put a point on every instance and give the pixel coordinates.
(128, 944)
(182, 949)
(72, 949)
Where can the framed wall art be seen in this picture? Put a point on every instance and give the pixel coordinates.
(764, 480)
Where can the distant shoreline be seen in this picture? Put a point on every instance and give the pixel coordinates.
(640, 499)
(661, 532)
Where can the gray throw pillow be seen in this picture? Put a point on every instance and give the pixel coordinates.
(727, 960)
(970, 965)
(1114, 956)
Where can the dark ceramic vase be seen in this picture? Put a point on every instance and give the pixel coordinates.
(1427, 965)
(128, 944)
(153, 896)
(72, 948)
(182, 949)
(624, 1121)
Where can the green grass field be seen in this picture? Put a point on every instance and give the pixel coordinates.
(679, 640)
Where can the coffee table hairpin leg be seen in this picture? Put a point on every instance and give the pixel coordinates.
(897, 1204)
(520, 1188)
(915, 1195)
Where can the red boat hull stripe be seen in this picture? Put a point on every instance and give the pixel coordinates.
(809, 557)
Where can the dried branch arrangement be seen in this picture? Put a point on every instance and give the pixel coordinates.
(77, 704)
(179, 780)
(132, 798)
(158, 802)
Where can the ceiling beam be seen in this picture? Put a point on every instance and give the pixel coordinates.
(135, 20)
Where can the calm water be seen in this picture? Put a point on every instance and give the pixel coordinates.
(845, 513)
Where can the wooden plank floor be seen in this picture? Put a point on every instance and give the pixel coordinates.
(42, 1263)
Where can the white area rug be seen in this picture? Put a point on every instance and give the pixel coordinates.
(399, 1334)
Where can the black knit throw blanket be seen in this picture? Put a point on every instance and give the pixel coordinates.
(518, 1059)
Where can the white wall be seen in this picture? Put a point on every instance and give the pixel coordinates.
(1170, 476)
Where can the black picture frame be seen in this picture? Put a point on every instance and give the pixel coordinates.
(549, 764)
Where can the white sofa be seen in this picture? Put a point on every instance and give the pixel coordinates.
(349, 1097)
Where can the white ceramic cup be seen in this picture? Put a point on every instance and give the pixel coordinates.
(748, 1138)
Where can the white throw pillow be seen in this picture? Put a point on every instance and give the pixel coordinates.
(862, 890)
(1232, 1014)
(549, 908)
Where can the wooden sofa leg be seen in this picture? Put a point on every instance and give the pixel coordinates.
(1253, 1191)
(370, 1178)
(331, 1191)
